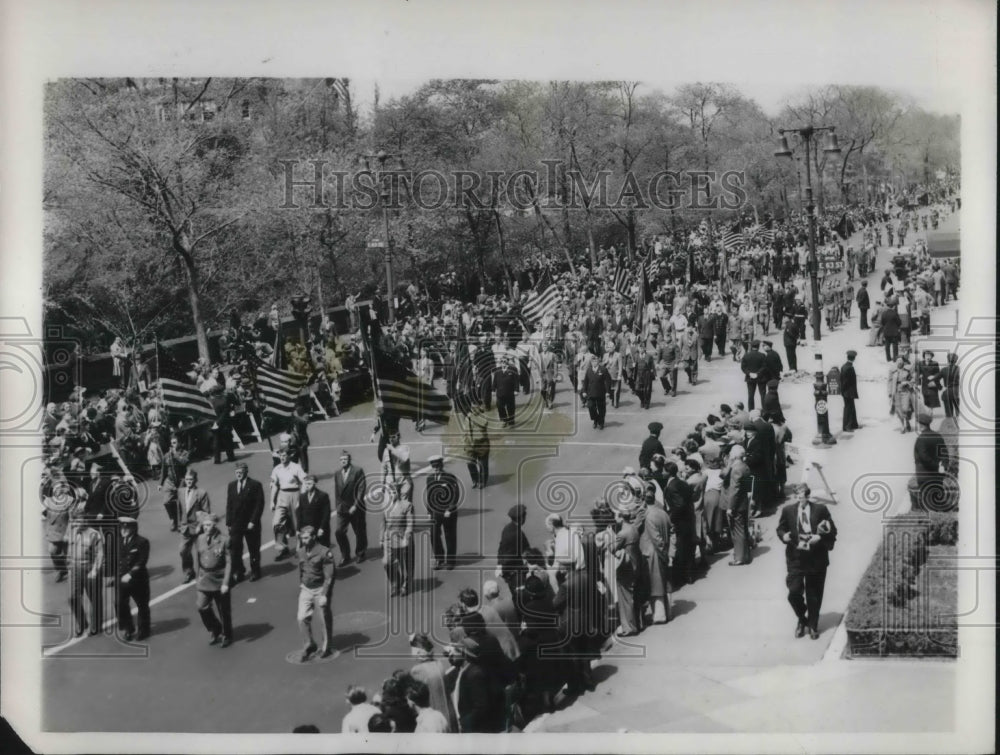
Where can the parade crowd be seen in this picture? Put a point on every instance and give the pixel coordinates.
(524, 641)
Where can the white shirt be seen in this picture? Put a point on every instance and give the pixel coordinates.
(430, 721)
(356, 721)
(285, 477)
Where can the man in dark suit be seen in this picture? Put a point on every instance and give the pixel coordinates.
(790, 338)
(808, 531)
(891, 325)
(193, 503)
(593, 328)
(849, 392)
(864, 304)
(442, 505)
(479, 708)
(313, 508)
(133, 580)
(300, 437)
(651, 445)
(506, 382)
(678, 499)
(596, 383)
(753, 367)
(244, 509)
(772, 366)
(349, 489)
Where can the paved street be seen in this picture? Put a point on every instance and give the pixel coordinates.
(726, 662)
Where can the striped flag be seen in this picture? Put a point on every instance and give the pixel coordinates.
(758, 234)
(732, 240)
(543, 300)
(622, 283)
(184, 399)
(642, 298)
(278, 390)
(180, 396)
(653, 266)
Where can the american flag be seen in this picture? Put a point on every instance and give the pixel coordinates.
(733, 240)
(643, 297)
(277, 389)
(180, 396)
(758, 234)
(543, 300)
(652, 267)
(622, 282)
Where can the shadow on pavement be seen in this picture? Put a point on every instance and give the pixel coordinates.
(156, 572)
(681, 607)
(829, 620)
(427, 584)
(342, 642)
(277, 568)
(168, 625)
(604, 672)
(251, 632)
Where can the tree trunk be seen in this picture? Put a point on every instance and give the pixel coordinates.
(182, 249)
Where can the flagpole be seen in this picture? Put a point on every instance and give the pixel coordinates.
(263, 416)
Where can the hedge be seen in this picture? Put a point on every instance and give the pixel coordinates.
(896, 608)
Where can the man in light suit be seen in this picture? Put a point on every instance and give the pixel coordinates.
(193, 502)
(349, 488)
(244, 509)
(808, 531)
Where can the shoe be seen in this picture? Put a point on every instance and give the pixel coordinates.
(438, 565)
(142, 636)
(344, 562)
(215, 639)
(226, 642)
(281, 555)
(188, 578)
(78, 632)
(737, 563)
(813, 634)
(254, 577)
(174, 527)
(129, 636)
(326, 653)
(61, 577)
(304, 655)
(94, 632)
(800, 630)
(619, 633)
(360, 558)
(404, 592)
(450, 567)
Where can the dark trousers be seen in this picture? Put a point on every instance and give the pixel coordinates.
(304, 458)
(80, 585)
(720, 343)
(444, 548)
(237, 535)
(486, 392)
(525, 376)
(949, 400)
(208, 603)
(754, 387)
(479, 470)
(171, 508)
(548, 392)
(864, 317)
(505, 407)
(59, 549)
(356, 522)
(891, 348)
(925, 324)
(706, 348)
(136, 590)
(669, 380)
(793, 361)
(598, 409)
(222, 440)
(850, 415)
(616, 392)
(187, 560)
(399, 569)
(805, 594)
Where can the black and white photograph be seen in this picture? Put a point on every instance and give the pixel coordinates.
(536, 378)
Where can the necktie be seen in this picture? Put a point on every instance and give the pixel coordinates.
(239, 487)
(804, 526)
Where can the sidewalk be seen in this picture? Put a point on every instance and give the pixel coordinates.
(728, 660)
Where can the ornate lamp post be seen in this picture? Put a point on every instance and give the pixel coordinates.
(806, 134)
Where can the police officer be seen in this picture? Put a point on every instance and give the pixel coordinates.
(442, 506)
(316, 576)
(506, 384)
(214, 573)
(133, 580)
(754, 367)
(849, 392)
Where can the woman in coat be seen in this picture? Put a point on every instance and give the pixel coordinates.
(736, 482)
(782, 435)
(630, 573)
(930, 381)
(901, 393)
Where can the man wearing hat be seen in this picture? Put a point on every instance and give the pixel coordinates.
(753, 366)
(506, 382)
(133, 580)
(316, 576)
(442, 498)
(513, 544)
(651, 445)
(214, 574)
(864, 304)
(930, 455)
(772, 366)
(349, 489)
(849, 392)
(244, 509)
(86, 559)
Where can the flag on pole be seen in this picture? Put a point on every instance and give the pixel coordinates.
(733, 240)
(180, 396)
(278, 390)
(652, 267)
(622, 282)
(543, 300)
(643, 297)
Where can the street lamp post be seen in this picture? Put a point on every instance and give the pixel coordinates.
(806, 134)
(384, 195)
